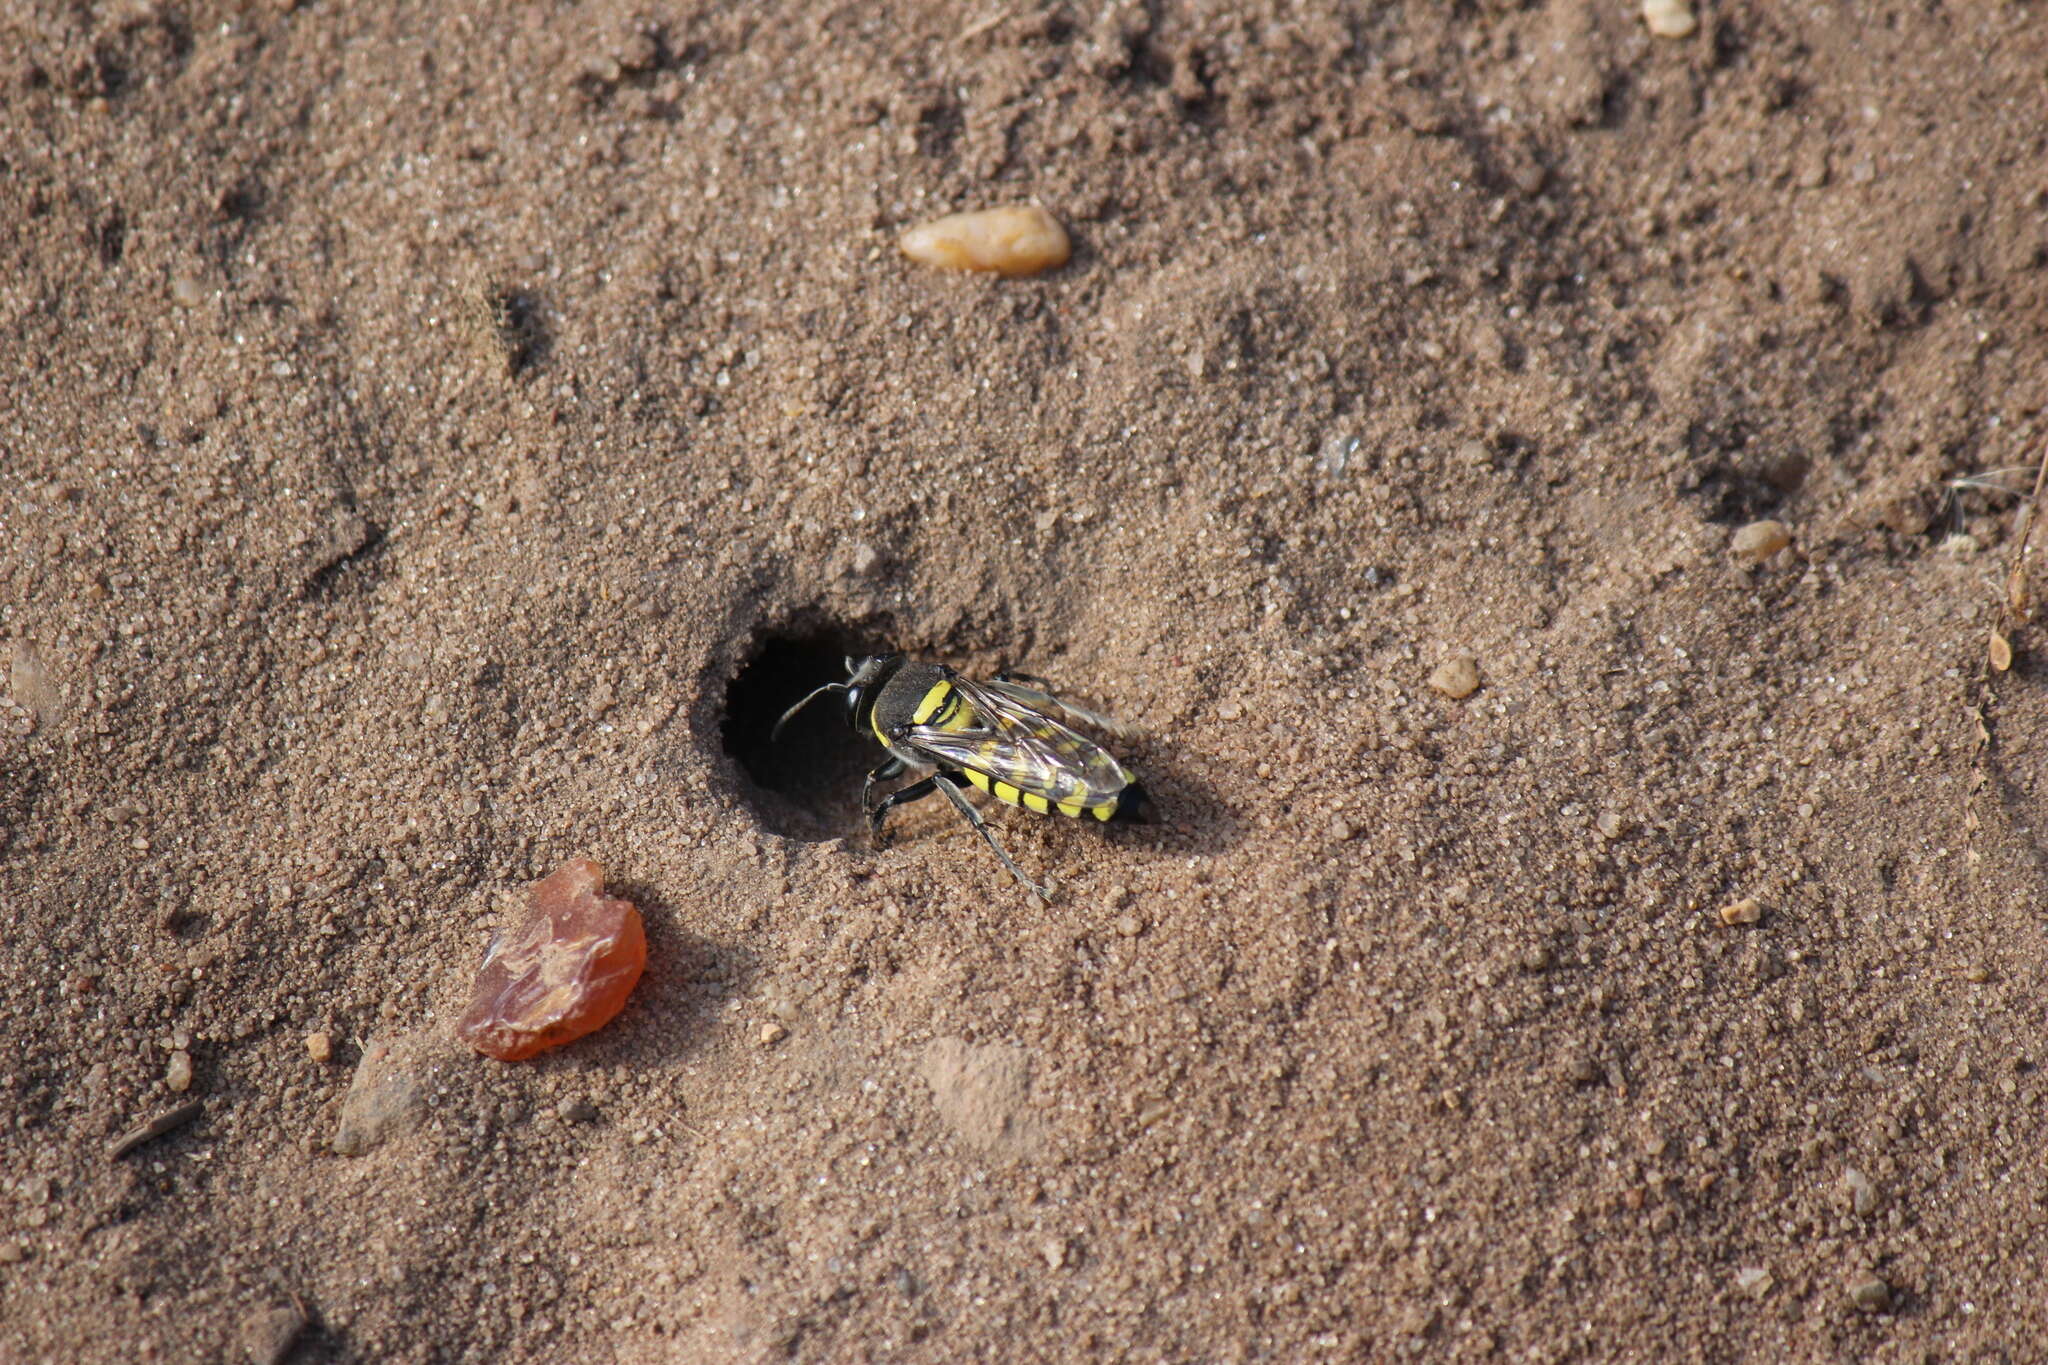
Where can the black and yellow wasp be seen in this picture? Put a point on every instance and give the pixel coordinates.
(995, 735)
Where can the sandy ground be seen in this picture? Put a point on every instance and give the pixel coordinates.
(434, 438)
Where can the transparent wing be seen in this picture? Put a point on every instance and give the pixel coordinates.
(1015, 743)
(1037, 698)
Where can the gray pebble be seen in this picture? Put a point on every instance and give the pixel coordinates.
(385, 1098)
(267, 1337)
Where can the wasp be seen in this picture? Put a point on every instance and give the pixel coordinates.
(999, 736)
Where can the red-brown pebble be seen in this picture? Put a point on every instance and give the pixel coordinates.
(564, 970)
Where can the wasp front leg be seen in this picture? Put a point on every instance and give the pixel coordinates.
(890, 770)
(916, 791)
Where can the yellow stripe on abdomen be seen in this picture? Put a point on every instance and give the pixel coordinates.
(1037, 801)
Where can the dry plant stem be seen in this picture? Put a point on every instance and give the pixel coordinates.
(2016, 581)
(1998, 659)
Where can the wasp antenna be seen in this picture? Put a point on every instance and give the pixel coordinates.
(809, 697)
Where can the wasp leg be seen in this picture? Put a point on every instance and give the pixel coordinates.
(892, 768)
(950, 784)
(916, 791)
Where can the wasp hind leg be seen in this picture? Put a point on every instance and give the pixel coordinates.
(950, 784)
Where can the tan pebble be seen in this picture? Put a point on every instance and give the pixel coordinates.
(1129, 925)
(1456, 678)
(319, 1046)
(1340, 829)
(178, 1073)
(1759, 540)
(1976, 975)
(1744, 911)
(1871, 1294)
(1862, 1193)
(2001, 652)
(1610, 825)
(771, 1034)
(185, 291)
(1669, 18)
(1753, 1280)
(1018, 240)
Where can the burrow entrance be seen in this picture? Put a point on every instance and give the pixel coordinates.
(806, 785)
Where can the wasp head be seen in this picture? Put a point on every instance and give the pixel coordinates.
(862, 675)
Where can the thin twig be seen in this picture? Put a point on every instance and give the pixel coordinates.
(981, 26)
(169, 1121)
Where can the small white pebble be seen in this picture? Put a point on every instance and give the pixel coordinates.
(1670, 18)
(1018, 240)
(771, 1034)
(178, 1073)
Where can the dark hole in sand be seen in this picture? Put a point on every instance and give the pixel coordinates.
(806, 785)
